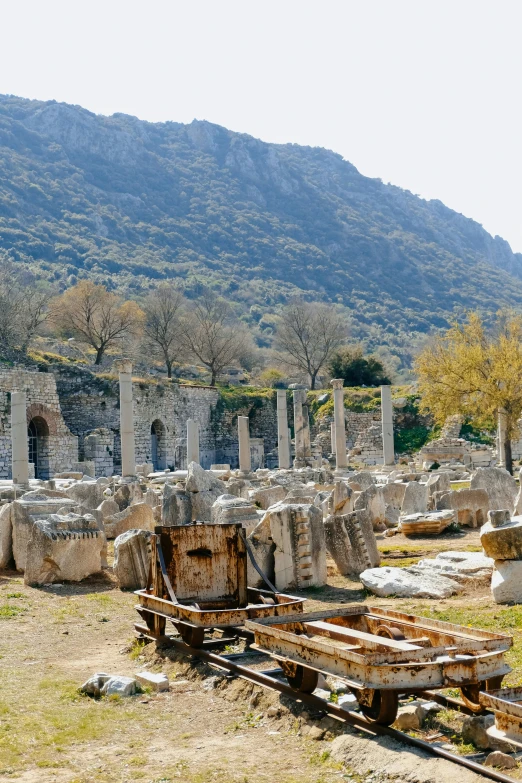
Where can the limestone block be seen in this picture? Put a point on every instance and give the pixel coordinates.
(63, 548)
(467, 567)
(363, 478)
(372, 500)
(128, 493)
(342, 498)
(300, 553)
(350, 541)
(93, 686)
(264, 497)
(404, 583)
(394, 494)
(88, 494)
(500, 485)
(152, 498)
(108, 507)
(470, 505)
(238, 487)
(132, 551)
(139, 516)
(6, 535)
(415, 498)
(229, 508)
(21, 527)
(177, 506)
(201, 480)
(503, 543)
(120, 686)
(157, 682)
(304, 494)
(506, 582)
(438, 482)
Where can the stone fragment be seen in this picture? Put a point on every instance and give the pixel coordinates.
(239, 487)
(108, 508)
(468, 567)
(297, 531)
(415, 498)
(93, 686)
(139, 516)
(438, 482)
(503, 543)
(363, 478)
(120, 686)
(350, 541)
(157, 682)
(500, 760)
(474, 730)
(264, 497)
(88, 494)
(500, 485)
(316, 733)
(408, 717)
(63, 548)
(229, 508)
(263, 548)
(405, 583)
(127, 493)
(372, 500)
(177, 506)
(506, 582)
(342, 498)
(470, 505)
(205, 489)
(6, 536)
(393, 494)
(132, 551)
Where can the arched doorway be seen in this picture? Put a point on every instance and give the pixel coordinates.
(158, 445)
(38, 437)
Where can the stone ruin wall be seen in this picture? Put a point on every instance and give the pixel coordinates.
(58, 448)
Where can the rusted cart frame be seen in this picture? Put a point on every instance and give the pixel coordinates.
(381, 653)
(198, 580)
(506, 703)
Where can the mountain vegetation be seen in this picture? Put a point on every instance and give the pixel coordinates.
(129, 204)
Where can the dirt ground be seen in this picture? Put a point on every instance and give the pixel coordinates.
(204, 729)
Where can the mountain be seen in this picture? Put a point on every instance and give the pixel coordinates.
(128, 203)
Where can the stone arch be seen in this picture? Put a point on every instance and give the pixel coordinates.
(51, 418)
(158, 444)
(38, 442)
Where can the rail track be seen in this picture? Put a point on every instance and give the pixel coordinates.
(267, 680)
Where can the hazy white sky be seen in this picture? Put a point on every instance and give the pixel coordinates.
(425, 94)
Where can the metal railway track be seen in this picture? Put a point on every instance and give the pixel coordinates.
(227, 663)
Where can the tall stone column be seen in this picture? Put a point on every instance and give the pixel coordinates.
(341, 460)
(192, 441)
(307, 448)
(128, 450)
(243, 431)
(19, 445)
(501, 438)
(283, 441)
(299, 459)
(388, 447)
(332, 437)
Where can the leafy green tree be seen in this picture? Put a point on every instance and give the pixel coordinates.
(355, 369)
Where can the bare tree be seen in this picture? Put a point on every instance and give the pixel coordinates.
(23, 306)
(212, 337)
(308, 334)
(96, 316)
(163, 310)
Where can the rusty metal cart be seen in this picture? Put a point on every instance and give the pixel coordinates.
(381, 653)
(506, 704)
(198, 580)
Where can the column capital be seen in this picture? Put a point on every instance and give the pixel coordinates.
(337, 383)
(123, 365)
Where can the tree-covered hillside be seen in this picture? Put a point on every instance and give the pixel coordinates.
(128, 203)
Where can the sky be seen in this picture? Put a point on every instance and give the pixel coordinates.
(425, 94)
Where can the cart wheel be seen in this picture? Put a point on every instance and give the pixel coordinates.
(378, 706)
(300, 678)
(470, 696)
(390, 632)
(191, 634)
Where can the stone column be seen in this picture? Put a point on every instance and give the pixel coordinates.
(192, 441)
(388, 447)
(340, 432)
(501, 438)
(19, 444)
(307, 447)
(299, 461)
(332, 437)
(128, 451)
(243, 431)
(283, 442)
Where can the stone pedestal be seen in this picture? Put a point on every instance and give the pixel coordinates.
(192, 441)
(128, 451)
(20, 449)
(341, 460)
(243, 431)
(388, 448)
(283, 440)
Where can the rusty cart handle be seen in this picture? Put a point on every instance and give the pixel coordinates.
(163, 567)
